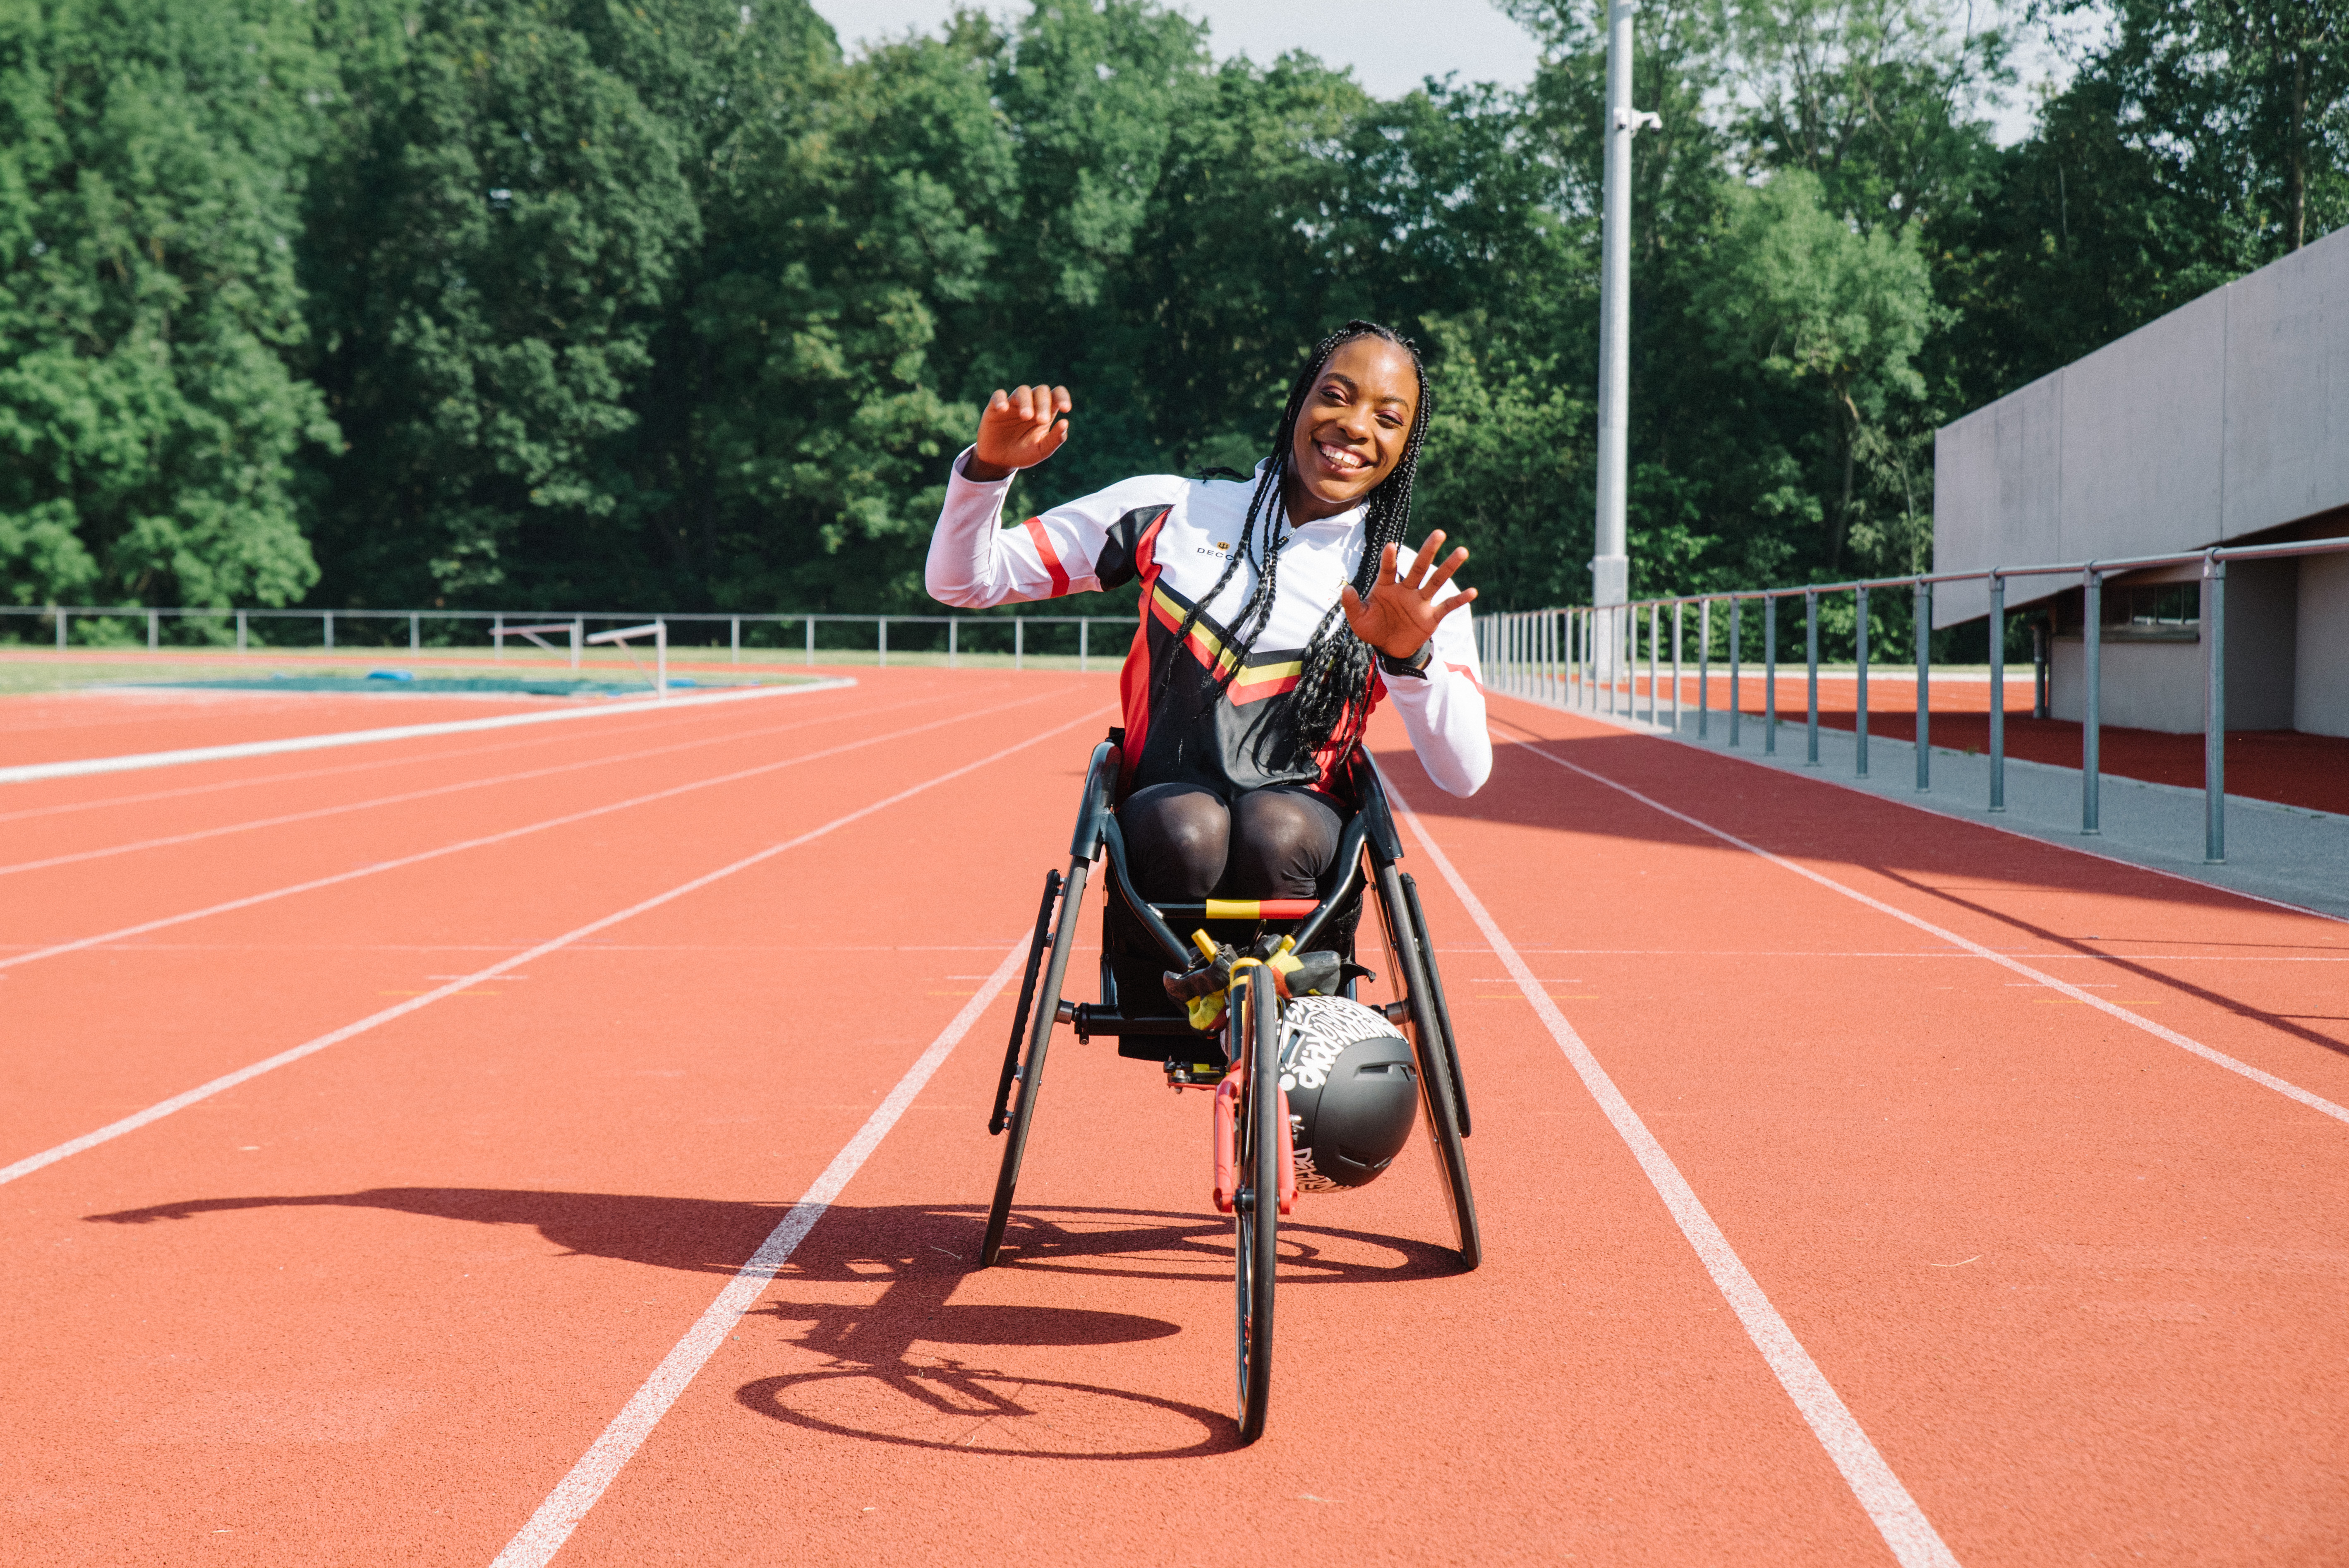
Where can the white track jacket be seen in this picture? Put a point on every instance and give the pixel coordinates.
(1176, 536)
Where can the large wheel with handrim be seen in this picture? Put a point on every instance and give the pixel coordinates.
(1438, 1096)
(1030, 1075)
(1257, 1132)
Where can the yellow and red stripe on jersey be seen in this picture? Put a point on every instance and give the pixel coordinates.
(1253, 682)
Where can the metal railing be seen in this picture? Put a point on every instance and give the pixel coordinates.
(533, 626)
(1586, 657)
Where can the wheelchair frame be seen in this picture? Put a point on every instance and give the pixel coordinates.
(1368, 851)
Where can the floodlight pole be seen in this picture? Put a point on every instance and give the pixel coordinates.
(1611, 567)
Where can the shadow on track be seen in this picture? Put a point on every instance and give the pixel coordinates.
(881, 1376)
(884, 1380)
(702, 1235)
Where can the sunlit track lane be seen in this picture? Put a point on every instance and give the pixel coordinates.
(98, 1034)
(368, 1308)
(41, 803)
(2080, 1287)
(71, 901)
(169, 818)
(61, 727)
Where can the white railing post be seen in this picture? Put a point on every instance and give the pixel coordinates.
(1922, 615)
(1998, 691)
(1859, 673)
(2092, 643)
(2214, 709)
(1678, 606)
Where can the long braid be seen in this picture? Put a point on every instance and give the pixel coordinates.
(1330, 701)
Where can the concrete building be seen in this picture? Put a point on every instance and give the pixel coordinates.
(2224, 422)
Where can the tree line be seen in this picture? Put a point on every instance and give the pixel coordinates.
(582, 303)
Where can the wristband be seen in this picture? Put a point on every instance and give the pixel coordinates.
(1415, 666)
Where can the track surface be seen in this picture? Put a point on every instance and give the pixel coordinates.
(2078, 1286)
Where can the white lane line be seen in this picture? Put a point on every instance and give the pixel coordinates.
(25, 773)
(2136, 1020)
(122, 933)
(199, 835)
(157, 1112)
(538, 1541)
(1905, 1528)
(251, 781)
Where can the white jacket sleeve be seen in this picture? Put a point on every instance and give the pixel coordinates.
(976, 562)
(1443, 710)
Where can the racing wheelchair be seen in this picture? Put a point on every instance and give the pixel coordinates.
(1217, 1022)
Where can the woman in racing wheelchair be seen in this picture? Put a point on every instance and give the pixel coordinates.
(1277, 612)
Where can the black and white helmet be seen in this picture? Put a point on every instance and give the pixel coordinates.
(1353, 1090)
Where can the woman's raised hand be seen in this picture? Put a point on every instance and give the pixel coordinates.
(1017, 430)
(1403, 613)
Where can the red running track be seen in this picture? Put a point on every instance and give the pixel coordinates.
(2077, 1286)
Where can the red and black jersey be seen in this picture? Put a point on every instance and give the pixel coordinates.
(1176, 536)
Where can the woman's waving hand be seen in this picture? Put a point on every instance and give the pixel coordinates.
(1402, 612)
(1018, 428)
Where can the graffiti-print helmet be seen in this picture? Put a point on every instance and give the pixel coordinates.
(1353, 1090)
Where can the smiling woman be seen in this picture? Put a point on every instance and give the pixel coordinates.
(1278, 612)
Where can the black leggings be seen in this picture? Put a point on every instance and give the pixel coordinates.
(1186, 843)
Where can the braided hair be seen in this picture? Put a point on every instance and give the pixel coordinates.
(1330, 703)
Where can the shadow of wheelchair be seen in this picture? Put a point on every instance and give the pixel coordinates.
(898, 1369)
(902, 1368)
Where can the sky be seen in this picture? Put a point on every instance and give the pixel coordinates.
(1391, 44)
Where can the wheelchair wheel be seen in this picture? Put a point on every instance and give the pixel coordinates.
(1256, 1209)
(1443, 1008)
(1439, 1094)
(1030, 1075)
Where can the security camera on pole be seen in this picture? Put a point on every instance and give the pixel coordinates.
(1610, 568)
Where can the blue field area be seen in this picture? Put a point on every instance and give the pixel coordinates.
(401, 682)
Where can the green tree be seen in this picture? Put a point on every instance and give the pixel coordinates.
(854, 217)
(152, 161)
(1828, 311)
(490, 250)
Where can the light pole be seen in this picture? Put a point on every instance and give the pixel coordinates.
(1611, 567)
